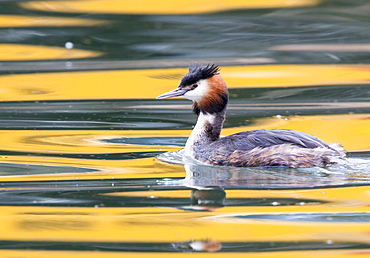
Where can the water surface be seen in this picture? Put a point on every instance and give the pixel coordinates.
(89, 159)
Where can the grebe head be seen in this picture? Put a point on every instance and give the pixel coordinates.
(205, 87)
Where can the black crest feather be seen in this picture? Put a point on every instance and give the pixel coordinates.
(199, 72)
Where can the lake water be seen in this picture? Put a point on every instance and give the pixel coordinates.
(90, 161)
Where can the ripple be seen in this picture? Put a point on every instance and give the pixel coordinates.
(13, 169)
(355, 172)
(314, 217)
(174, 141)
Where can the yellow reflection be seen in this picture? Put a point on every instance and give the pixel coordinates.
(174, 225)
(54, 141)
(106, 169)
(44, 21)
(295, 75)
(138, 84)
(353, 131)
(160, 6)
(18, 52)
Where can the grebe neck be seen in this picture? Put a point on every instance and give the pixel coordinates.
(207, 129)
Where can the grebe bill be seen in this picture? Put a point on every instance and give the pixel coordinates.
(266, 147)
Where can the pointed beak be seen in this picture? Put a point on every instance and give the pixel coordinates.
(173, 93)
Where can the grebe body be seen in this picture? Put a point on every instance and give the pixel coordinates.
(266, 147)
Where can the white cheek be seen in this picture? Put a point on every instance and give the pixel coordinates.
(198, 93)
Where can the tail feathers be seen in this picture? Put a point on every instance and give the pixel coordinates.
(339, 148)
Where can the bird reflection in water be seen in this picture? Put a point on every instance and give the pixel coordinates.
(207, 245)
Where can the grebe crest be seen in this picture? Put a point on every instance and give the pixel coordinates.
(267, 147)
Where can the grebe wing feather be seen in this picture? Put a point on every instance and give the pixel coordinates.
(269, 137)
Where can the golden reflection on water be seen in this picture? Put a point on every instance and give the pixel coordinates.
(18, 52)
(351, 130)
(88, 193)
(149, 83)
(159, 7)
(170, 225)
(226, 224)
(44, 21)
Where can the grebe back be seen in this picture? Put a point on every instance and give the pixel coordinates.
(266, 147)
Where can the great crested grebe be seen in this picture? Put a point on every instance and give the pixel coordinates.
(266, 147)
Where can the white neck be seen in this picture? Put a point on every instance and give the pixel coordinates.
(207, 129)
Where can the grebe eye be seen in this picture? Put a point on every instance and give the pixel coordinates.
(194, 86)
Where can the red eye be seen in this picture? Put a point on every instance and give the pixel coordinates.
(194, 86)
